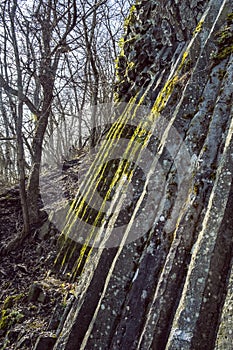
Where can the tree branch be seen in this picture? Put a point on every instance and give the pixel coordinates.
(70, 27)
(7, 138)
(14, 92)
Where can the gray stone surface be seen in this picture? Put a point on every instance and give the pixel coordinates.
(172, 288)
(225, 332)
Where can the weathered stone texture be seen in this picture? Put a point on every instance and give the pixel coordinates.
(171, 289)
(225, 332)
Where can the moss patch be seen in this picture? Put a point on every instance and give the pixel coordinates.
(224, 40)
(11, 300)
(9, 318)
(198, 27)
(131, 19)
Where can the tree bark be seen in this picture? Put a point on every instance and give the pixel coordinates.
(19, 125)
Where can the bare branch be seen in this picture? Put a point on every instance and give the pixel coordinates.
(25, 99)
(7, 138)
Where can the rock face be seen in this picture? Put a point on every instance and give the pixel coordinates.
(171, 288)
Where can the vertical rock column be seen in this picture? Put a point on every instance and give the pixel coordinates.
(171, 289)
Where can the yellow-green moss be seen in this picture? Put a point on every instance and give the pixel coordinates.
(187, 66)
(164, 95)
(131, 18)
(205, 148)
(198, 27)
(230, 18)
(168, 88)
(121, 55)
(195, 189)
(224, 41)
(4, 320)
(96, 174)
(221, 73)
(11, 300)
(115, 133)
(130, 66)
(224, 53)
(9, 318)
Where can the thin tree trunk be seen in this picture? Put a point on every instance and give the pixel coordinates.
(33, 189)
(21, 170)
(20, 148)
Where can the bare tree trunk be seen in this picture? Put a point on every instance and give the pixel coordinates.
(48, 70)
(33, 189)
(7, 138)
(21, 169)
(20, 146)
(93, 71)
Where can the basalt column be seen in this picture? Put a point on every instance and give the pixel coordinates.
(171, 287)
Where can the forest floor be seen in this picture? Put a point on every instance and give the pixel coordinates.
(33, 294)
(23, 318)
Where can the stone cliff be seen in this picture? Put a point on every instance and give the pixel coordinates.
(171, 287)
